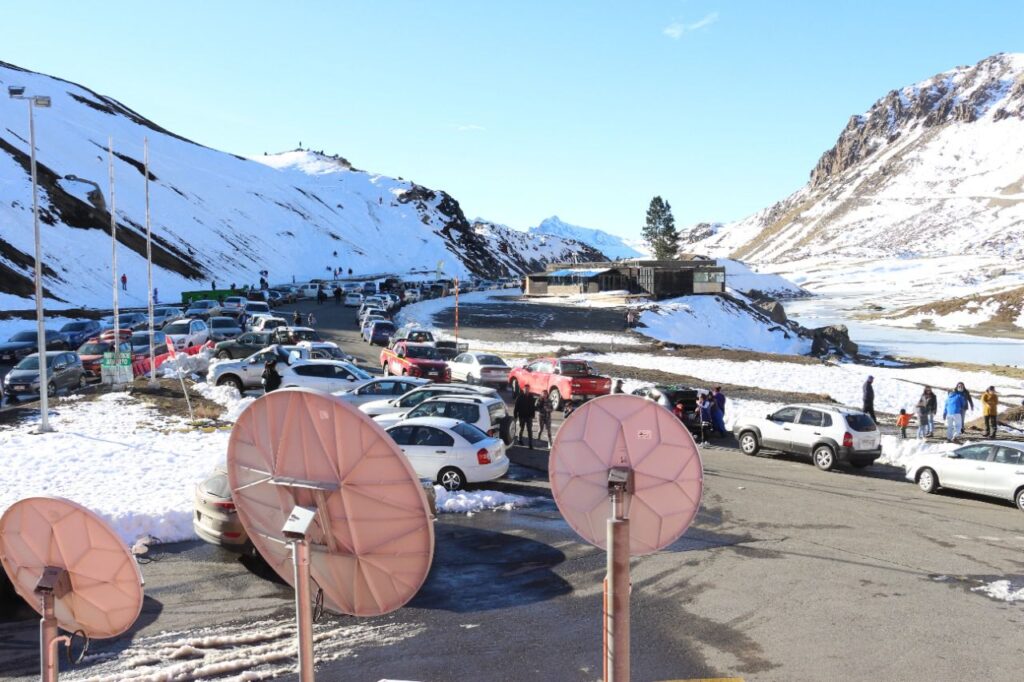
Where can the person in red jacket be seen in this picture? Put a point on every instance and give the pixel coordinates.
(124, 282)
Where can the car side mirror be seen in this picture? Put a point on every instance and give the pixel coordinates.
(60, 366)
(770, 416)
(952, 455)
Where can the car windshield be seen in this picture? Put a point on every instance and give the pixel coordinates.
(575, 368)
(491, 360)
(200, 305)
(306, 335)
(358, 373)
(74, 326)
(32, 362)
(422, 352)
(469, 432)
(177, 328)
(222, 323)
(24, 336)
(420, 337)
(140, 339)
(95, 348)
(257, 307)
(860, 422)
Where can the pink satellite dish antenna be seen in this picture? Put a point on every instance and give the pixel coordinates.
(326, 495)
(73, 569)
(627, 476)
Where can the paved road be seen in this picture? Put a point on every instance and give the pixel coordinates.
(788, 574)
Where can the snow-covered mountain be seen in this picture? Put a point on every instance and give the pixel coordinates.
(610, 245)
(215, 216)
(932, 169)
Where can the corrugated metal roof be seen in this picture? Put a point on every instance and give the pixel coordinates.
(578, 272)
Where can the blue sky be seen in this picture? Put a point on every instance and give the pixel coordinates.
(522, 110)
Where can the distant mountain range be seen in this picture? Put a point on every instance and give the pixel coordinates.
(215, 216)
(610, 245)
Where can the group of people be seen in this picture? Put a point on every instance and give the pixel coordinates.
(954, 411)
(527, 408)
(710, 410)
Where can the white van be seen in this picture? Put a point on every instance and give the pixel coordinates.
(308, 290)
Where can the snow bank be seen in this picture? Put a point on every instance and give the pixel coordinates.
(190, 365)
(471, 501)
(898, 451)
(740, 277)
(234, 403)
(1003, 590)
(716, 321)
(117, 456)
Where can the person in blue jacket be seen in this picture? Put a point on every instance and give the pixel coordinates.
(953, 413)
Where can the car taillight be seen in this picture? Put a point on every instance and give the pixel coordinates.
(482, 456)
(847, 440)
(233, 534)
(226, 506)
(492, 432)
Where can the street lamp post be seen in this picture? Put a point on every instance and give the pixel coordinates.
(18, 92)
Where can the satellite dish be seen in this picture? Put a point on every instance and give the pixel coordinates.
(627, 476)
(72, 568)
(326, 495)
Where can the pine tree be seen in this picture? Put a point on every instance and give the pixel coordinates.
(660, 230)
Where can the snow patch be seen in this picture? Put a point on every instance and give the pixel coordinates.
(471, 501)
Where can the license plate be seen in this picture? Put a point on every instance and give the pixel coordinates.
(18, 387)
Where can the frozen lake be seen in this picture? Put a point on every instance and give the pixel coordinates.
(944, 346)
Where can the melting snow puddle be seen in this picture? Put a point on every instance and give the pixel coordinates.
(265, 651)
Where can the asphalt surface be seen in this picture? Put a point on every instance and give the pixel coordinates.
(789, 573)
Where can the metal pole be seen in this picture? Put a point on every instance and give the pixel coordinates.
(149, 265)
(113, 259)
(47, 635)
(303, 609)
(456, 314)
(617, 616)
(44, 397)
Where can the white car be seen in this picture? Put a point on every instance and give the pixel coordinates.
(381, 388)
(406, 402)
(479, 368)
(992, 467)
(323, 350)
(323, 375)
(828, 433)
(449, 451)
(266, 323)
(307, 291)
(234, 303)
(411, 295)
(353, 299)
(187, 333)
(484, 412)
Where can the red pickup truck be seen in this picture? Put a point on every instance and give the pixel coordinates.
(414, 360)
(559, 380)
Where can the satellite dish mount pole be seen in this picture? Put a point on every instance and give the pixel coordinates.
(616, 616)
(295, 529)
(52, 585)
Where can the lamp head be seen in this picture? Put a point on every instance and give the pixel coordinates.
(15, 90)
(41, 101)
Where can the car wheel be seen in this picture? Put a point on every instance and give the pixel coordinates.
(51, 388)
(1019, 499)
(749, 444)
(387, 369)
(223, 355)
(929, 482)
(232, 381)
(824, 457)
(514, 387)
(451, 478)
(555, 398)
(81, 381)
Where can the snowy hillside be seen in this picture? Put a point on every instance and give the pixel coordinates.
(935, 168)
(525, 252)
(610, 245)
(215, 216)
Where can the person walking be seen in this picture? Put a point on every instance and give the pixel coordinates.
(544, 412)
(297, 319)
(869, 399)
(717, 422)
(931, 407)
(213, 285)
(903, 421)
(990, 409)
(310, 320)
(968, 403)
(953, 413)
(270, 378)
(337, 295)
(524, 410)
(719, 400)
(124, 282)
(320, 296)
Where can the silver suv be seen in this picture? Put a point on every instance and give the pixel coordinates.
(828, 433)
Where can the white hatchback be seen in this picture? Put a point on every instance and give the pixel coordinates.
(449, 451)
(487, 413)
(994, 468)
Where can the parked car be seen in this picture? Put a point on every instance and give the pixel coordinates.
(91, 354)
(479, 368)
(223, 328)
(187, 333)
(323, 350)
(668, 396)
(201, 309)
(451, 452)
(487, 413)
(283, 295)
(294, 335)
(992, 467)
(384, 388)
(409, 400)
(323, 375)
(242, 346)
(162, 316)
(246, 373)
(828, 433)
(353, 299)
(75, 334)
(63, 371)
(378, 332)
(414, 335)
(123, 334)
(267, 323)
(233, 303)
(411, 295)
(139, 342)
(256, 308)
(24, 343)
(559, 380)
(415, 360)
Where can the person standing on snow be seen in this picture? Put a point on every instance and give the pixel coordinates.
(926, 413)
(869, 399)
(954, 415)
(270, 379)
(968, 402)
(990, 408)
(124, 282)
